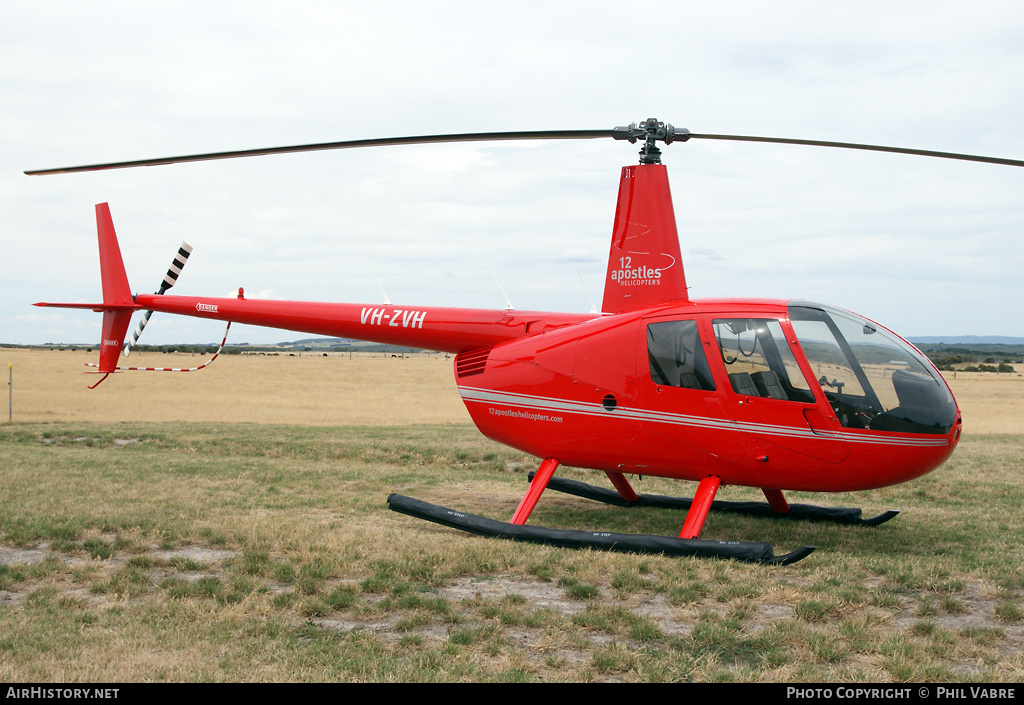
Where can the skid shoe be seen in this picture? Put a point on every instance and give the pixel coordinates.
(688, 543)
(746, 551)
(803, 512)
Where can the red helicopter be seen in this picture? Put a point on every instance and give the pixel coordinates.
(773, 394)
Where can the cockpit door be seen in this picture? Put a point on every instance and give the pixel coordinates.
(684, 413)
(768, 394)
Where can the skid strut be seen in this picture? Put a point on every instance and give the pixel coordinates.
(538, 482)
(699, 508)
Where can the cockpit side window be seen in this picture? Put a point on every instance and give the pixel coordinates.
(759, 361)
(676, 356)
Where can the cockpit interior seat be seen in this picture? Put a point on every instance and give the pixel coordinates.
(689, 380)
(769, 385)
(743, 384)
(923, 407)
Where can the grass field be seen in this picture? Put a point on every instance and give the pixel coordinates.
(311, 390)
(230, 525)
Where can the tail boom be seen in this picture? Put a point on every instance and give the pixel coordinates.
(451, 330)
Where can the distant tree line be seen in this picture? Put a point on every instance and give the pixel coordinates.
(194, 349)
(975, 357)
(1001, 367)
(950, 363)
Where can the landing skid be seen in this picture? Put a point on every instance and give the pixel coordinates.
(746, 551)
(804, 512)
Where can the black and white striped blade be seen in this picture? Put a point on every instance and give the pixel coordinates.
(173, 272)
(176, 266)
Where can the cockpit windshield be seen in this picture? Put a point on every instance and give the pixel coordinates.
(873, 379)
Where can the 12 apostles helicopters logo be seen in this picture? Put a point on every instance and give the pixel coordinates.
(633, 274)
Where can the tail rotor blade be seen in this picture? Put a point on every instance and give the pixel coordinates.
(137, 332)
(169, 280)
(176, 266)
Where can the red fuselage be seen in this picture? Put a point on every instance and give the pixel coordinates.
(580, 388)
(585, 394)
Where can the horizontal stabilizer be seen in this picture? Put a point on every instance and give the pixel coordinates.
(98, 308)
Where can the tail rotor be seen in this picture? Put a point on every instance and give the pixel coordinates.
(169, 280)
(118, 304)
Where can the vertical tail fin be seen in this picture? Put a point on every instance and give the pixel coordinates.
(115, 325)
(116, 292)
(645, 267)
(118, 302)
(115, 281)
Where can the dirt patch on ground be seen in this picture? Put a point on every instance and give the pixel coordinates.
(976, 606)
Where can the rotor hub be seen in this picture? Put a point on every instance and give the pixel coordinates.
(651, 131)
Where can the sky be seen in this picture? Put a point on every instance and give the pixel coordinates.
(923, 246)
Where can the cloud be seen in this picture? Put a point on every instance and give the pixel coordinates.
(113, 80)
(705, 253)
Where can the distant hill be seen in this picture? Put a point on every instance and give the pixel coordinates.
(317, 343)
(967, 340)
(337, 345)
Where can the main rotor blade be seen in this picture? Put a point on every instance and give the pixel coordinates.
(620, 133)
(349, 144)
(850, 145)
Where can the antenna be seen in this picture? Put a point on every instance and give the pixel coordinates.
(386, 299)
(593, 308)
(509, 306)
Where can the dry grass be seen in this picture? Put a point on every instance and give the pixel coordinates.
(249, 553)
(307, 390)
(311, 390)
(254, 545)
(990, 403)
